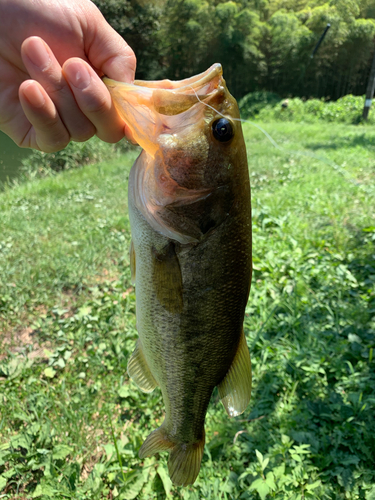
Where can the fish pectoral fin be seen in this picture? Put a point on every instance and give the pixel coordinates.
(132, 262)
(184, 460)
(167, 278)
(235, 388)
(139, 371)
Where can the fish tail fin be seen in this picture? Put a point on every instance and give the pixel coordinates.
(185, 462)
(156, 442)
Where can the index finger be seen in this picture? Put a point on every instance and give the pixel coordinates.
(110, 54)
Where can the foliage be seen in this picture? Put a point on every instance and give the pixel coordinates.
(251, 104)
(262, 45)
(138, 23)
(347, 109)
(194, 34)
(71, 422)
(75, 155)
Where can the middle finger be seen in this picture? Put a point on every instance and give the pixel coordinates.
(42, 66)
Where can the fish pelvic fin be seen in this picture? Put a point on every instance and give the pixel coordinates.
(185, 458)
(235, 388)
(139, 371)
(185, 462)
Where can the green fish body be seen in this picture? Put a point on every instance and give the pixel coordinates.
(190, 215)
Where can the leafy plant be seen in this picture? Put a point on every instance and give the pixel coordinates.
(75, 155)
(71, 421)
(347, 109)
(263, 46)
(251, 104)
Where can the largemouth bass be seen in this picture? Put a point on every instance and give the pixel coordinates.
(190, 215)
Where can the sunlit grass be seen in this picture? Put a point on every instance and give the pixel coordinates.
(67, 316)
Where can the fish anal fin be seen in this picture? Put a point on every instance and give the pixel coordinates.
(139, 371)
(132, 262)
(156, 442)
(185, 462)
(235, 388)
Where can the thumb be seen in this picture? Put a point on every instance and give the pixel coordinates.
(108, 52)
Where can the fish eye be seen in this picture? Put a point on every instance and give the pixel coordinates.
(222, 130)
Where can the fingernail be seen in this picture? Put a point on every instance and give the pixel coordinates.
(78, 75)
(34, 96)
(38, 54)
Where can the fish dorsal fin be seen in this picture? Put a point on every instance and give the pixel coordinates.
(235, 388)
(139, 371)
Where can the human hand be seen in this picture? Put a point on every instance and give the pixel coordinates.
(52, 54)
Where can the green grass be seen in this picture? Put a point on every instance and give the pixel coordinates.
(71, 423)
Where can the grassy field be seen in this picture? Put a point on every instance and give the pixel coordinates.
(71, 423)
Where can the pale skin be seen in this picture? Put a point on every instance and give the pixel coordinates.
(52, 55)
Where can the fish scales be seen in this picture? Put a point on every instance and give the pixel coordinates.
(190, 216)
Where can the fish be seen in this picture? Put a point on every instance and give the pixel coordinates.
(190, 215)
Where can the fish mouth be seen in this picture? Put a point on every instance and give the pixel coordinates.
(153, 108)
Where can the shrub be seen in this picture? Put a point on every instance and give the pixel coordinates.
(253, 103)
(347, 109)
(75, 155)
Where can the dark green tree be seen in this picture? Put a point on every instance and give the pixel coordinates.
(262, 44)
(138, 23)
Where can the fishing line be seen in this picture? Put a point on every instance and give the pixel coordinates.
(331, 163)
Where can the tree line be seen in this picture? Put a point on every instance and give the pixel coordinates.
(263, 45)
